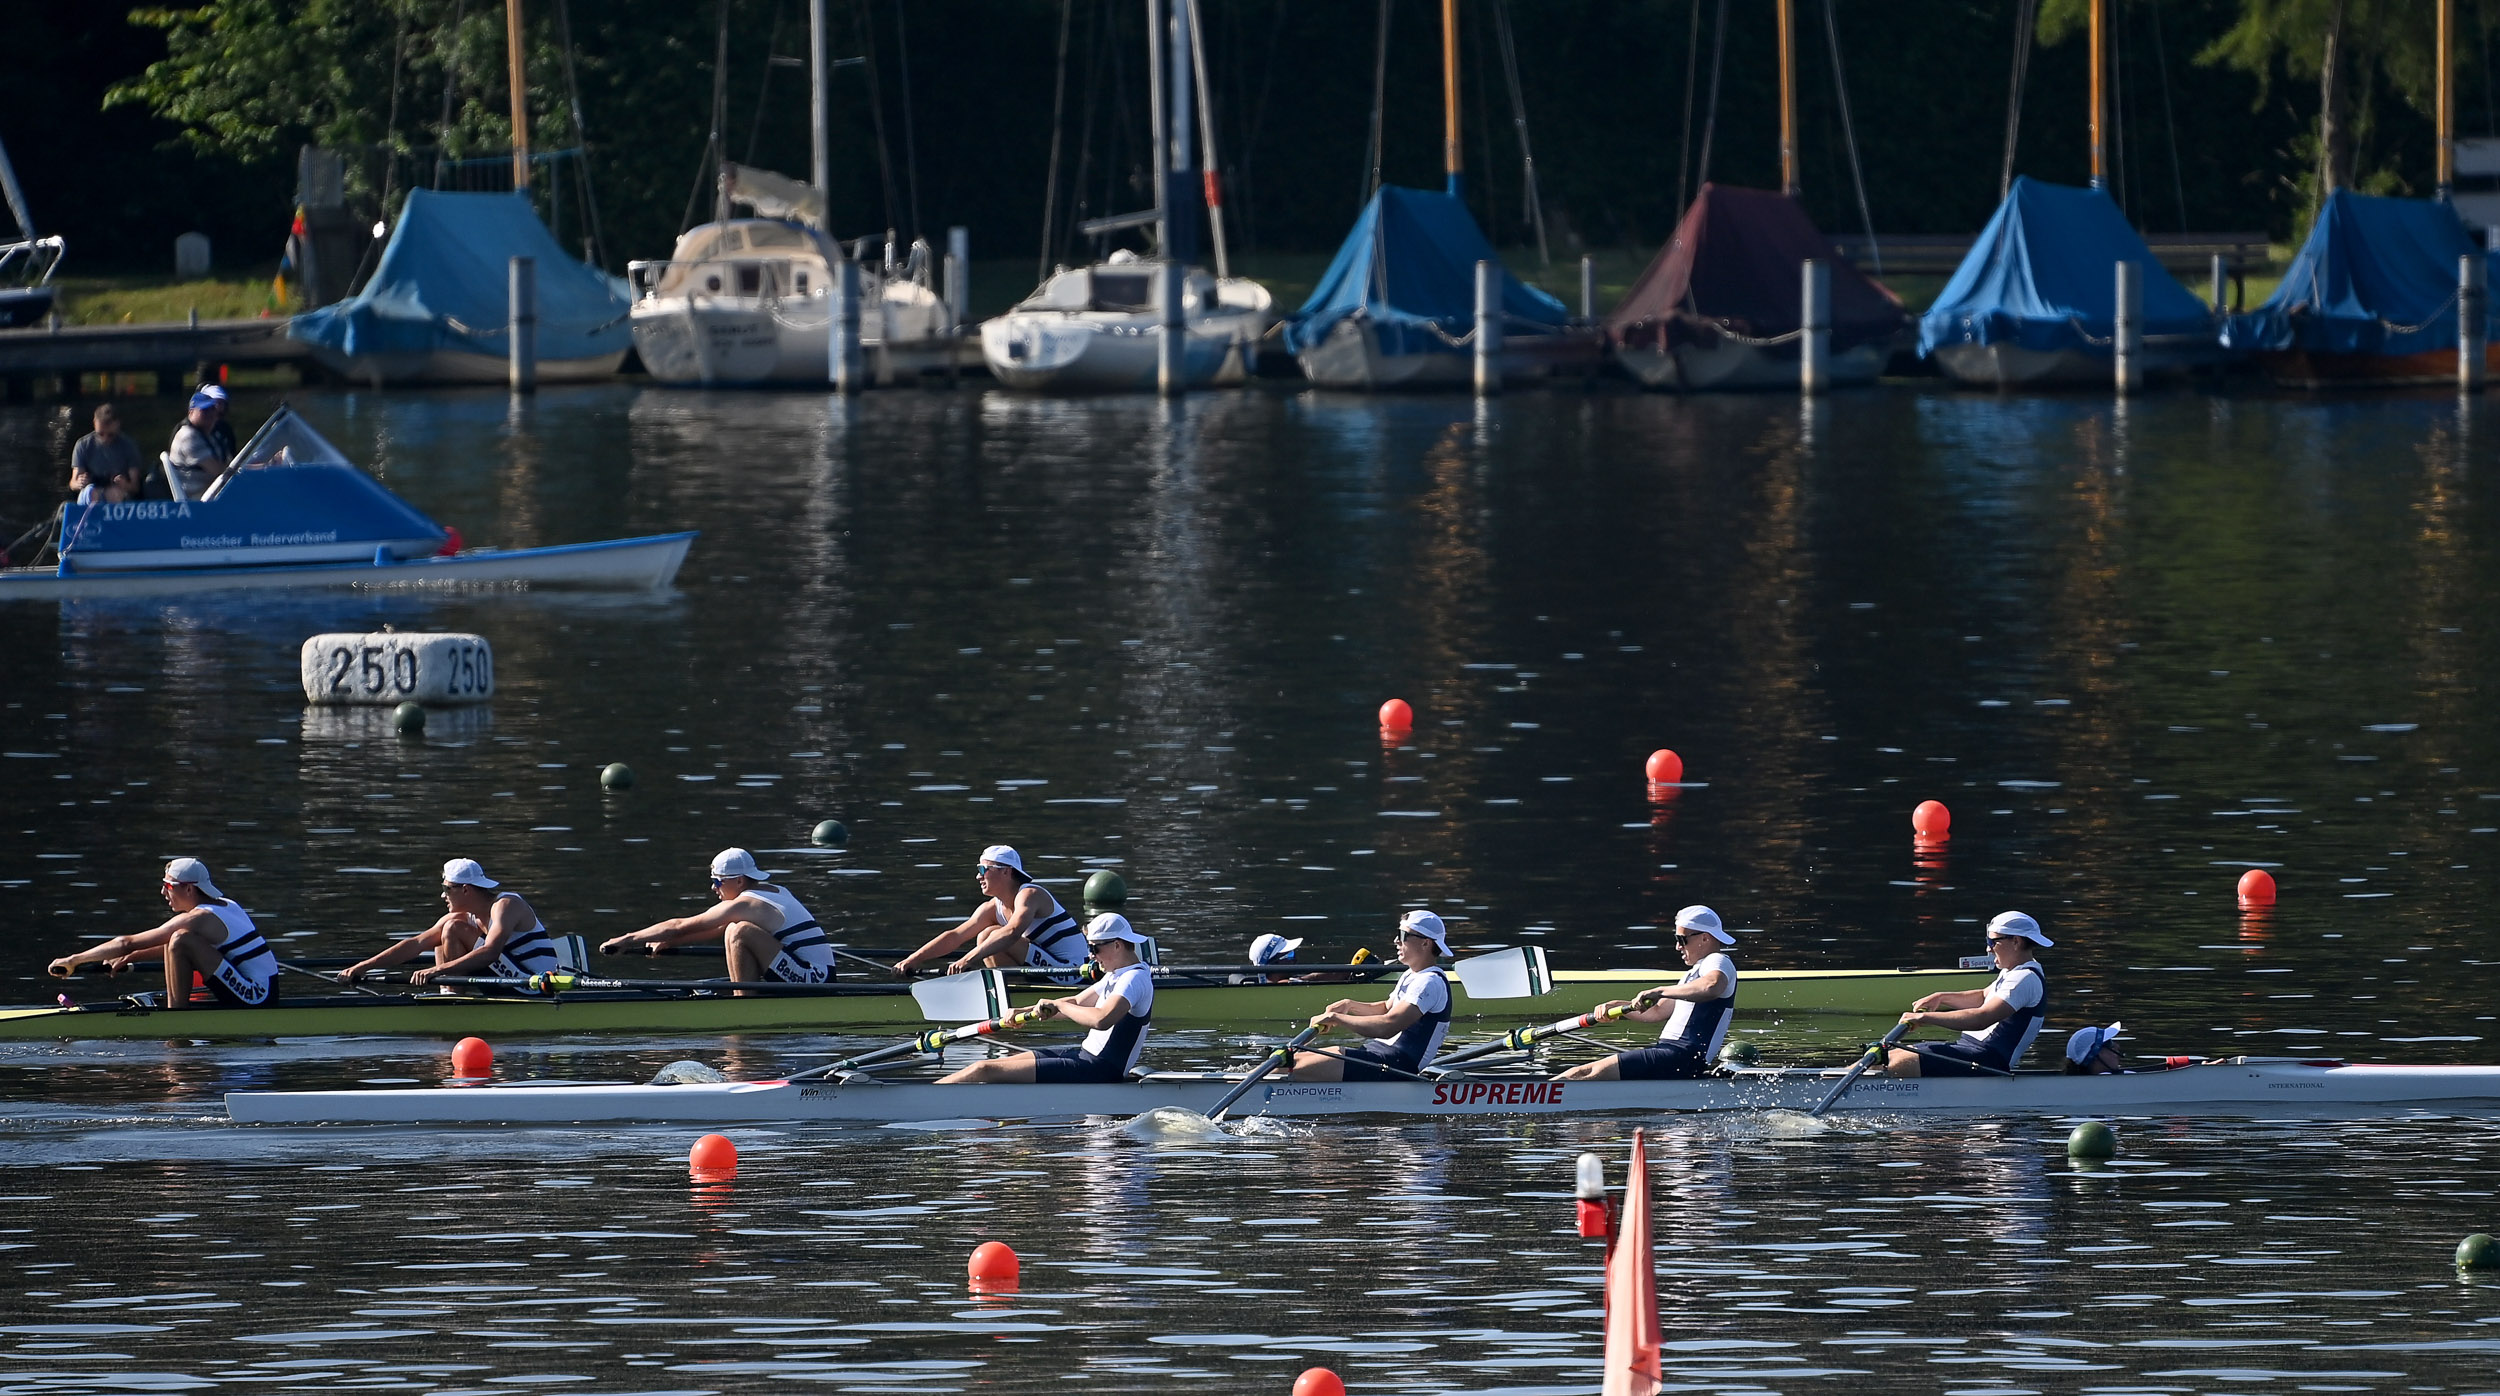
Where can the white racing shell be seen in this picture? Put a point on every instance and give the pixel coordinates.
(2233, 1088)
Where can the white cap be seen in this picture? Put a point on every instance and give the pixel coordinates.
(466, 871)
(1427, 925)
(2014, 923)
(1007, 858)
(194, 872)
(1272, 947)
(1111, 925)
(736, 862)
(2088, 1042)
(211, 390)
(1702, 918)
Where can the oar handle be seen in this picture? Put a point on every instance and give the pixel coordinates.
(1874, 1054)
(1276, 1057)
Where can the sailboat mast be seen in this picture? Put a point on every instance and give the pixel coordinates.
(1206, 138)
(1450, 163)
(1161, 137)
(1788, 98)
(1180, 127)
(2100, 107)
(819, 160)
(519, 83)
(2447, 99)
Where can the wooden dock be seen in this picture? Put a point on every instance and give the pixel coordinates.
(178, 353)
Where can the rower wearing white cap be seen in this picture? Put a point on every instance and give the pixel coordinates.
(1405, 1029)
(1696, 1010)
(2094, 1051)
(1019, 924)
(762, 929)
(208, 935)
(1997, 1023)
(1273, 949)
(483, 931)
(1117, 1009)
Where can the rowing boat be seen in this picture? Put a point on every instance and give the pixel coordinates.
(2238, 1087)
(1180, 1001)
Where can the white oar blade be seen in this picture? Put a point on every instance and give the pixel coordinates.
(1517, 973)
(970, 997)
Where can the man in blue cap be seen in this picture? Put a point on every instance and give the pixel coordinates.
(198, 458)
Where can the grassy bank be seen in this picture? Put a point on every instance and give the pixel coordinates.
(113, 300)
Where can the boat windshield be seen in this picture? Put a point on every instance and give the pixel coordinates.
(287, 439)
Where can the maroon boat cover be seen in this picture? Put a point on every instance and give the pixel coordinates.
(1731, 268)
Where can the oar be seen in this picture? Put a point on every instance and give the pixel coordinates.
(298, 968)
(953, 998)
(1521, 1039)
(1270, 1062)
(1873, 1055)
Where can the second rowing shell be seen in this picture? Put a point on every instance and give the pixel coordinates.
(843, 1007)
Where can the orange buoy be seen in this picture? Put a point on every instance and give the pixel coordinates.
(1396, 716)
(472, 1056)
(2256, 888)
(713, 1153)
(1318, 1381)
(993, 1262)
(1665, 768)
(1931, 820)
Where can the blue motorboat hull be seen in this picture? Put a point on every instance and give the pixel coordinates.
(624, 564)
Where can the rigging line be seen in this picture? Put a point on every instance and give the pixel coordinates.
(2025, 18)
(1710, 119)
(584, 190)
(2170, 119)
(1085, 126)
(2491, 113)
(2121, 169)
(1519, 122)
(1258, 123)
(1484, 137)
(451, 82)
(1380, 94)
(876, 107)
(1210, 166)
(1058, 110)
(1849, 132)
(1684, 147)
(911, 141)
(764, 86)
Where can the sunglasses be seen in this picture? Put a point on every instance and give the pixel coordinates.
(1995, 941)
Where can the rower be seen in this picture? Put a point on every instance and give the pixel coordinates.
(483, 932)
(1273, 949)
(1696, 1010)
(1117, 1009)
(1405, 1029)
(1020, 924)
(762, 929)
(208, 935)
(1997, 1023)
(2094, 1052)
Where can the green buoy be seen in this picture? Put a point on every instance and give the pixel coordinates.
(1106, 888)
(617, 776)
(1740, 1053)
(2478, 1252)
(409, 718)
(2093, 1140)
(831, 834)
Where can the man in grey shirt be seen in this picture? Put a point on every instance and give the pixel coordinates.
(197, 457)
(106, 462)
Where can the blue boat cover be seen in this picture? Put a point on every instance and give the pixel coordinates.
(1410, 267)
(2042, 276)
(444, 283)
(2377, 276)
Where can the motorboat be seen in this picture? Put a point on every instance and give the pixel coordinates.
(295, 512)
(1098, 328)
(747, 302)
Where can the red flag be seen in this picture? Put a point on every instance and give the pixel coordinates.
(1632, 1362)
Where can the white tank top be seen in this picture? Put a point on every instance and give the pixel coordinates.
(244, 947)
(801, 938)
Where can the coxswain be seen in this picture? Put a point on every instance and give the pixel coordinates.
(208, 935)
(1997, 1023)
(1272, 949)
(1018, 925)
(1696, 1010)
(1115, 1009)
(764, 931)
(483, 932)
(2094, 1051)
(1404, 1030)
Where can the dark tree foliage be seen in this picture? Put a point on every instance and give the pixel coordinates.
(948, 121)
